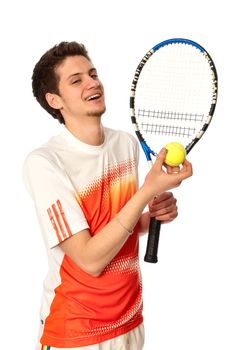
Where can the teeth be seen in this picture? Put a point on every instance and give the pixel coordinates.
(92, 97)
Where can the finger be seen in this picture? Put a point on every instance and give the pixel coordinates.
(173, 169)
(187, 169)
(166, 215)
(161, 158)
(164, 207)
(162, 197)
(165, 201)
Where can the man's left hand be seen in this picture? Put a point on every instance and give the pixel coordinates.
(164, 207)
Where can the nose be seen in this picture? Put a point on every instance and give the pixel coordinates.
(92, 83)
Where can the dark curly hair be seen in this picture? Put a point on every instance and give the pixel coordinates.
(45, 79)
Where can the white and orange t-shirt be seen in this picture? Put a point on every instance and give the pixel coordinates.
(77, 186)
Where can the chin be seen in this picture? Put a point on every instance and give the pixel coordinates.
(96, 113)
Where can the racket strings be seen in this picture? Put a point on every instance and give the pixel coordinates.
(168, 130)
(153, 122)
(170, 115)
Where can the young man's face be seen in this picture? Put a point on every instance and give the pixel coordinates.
(81, 92)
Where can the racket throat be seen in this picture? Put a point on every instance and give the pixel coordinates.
(147, 151)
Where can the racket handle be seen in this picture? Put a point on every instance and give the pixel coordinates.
(153, 241)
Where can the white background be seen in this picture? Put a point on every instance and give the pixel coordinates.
(187, 295)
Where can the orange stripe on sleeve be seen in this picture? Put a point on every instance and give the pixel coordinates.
(59, 221)
(64, 218)
(54, 224)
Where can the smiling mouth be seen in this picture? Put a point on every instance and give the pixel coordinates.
(93, 97)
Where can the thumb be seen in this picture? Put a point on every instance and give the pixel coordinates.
(161, 157)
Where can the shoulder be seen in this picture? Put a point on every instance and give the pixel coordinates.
(39, 157)
(42, 162)
(41, 170)
(47, 153)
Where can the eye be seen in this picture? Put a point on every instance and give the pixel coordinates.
(77, 81)
(94, 76)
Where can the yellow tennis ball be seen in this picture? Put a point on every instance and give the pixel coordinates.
(175, 154)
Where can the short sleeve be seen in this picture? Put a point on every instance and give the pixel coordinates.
(58, 210)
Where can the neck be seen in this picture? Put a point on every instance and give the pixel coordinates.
(89, 131)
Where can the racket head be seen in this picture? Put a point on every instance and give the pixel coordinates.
(173, 95)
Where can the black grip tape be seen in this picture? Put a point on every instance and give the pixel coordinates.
(153, 241)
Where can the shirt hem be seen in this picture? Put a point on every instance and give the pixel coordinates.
(70, 343)
(75, 229)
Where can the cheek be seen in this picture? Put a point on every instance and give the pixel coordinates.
(71, 98)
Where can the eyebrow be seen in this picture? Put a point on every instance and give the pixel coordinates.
(76, 74)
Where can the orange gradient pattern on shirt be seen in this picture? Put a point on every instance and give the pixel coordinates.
(103, 198)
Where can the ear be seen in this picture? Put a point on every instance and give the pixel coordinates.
(53, 100)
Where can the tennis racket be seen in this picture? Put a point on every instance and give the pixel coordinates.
(173, 98)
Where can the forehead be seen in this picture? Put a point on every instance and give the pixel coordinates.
(73, 65)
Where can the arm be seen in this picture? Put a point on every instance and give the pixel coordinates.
(93, 254)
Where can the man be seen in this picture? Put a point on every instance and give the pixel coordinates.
(84, 185)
